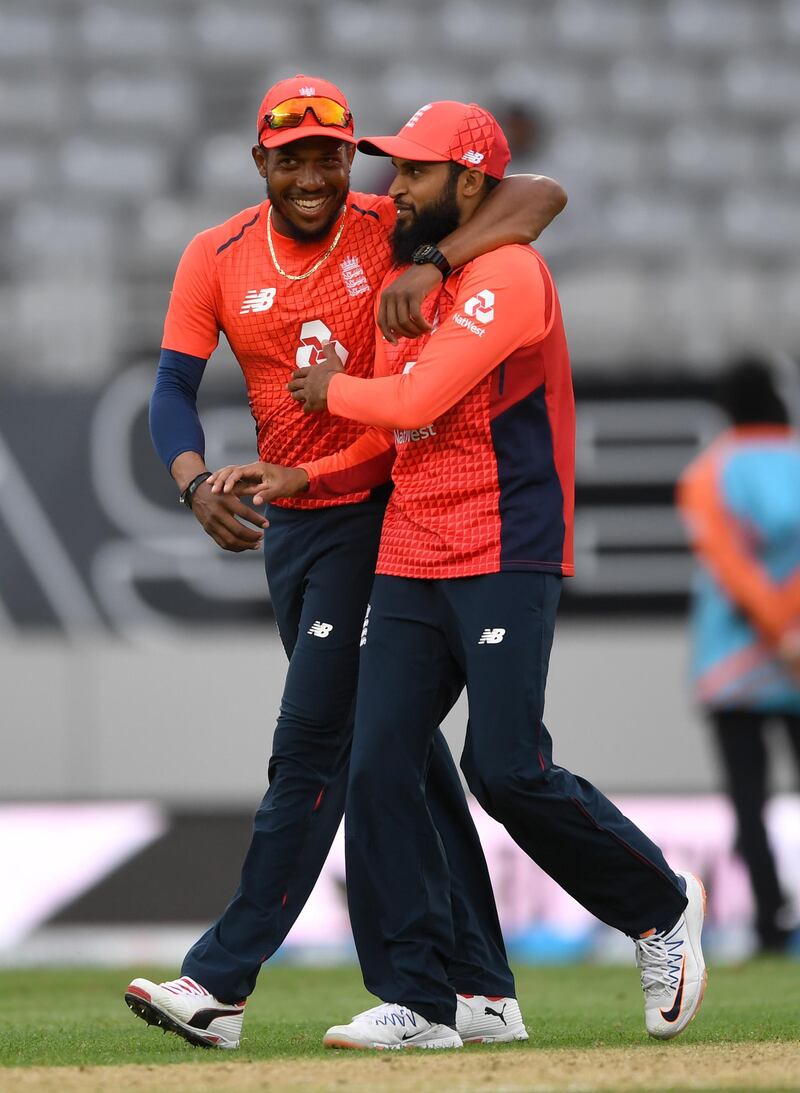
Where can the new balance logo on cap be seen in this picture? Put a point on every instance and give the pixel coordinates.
(492, 637)
(308, 92)
(260, 299)
(320, 629)
(473, 157)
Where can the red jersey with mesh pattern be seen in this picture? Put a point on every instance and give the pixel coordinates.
(226, 281)
(483, 421)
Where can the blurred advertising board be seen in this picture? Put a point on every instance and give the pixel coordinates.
(91, 534)
(111, 861)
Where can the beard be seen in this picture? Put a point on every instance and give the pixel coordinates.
(430, 225)
(301, 234)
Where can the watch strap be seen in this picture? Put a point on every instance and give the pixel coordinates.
(428, 253)
(187, 494)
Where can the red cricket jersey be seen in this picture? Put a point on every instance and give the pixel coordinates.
(482, 420)
(226, 281)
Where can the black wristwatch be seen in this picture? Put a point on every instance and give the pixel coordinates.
(188, 493)
(428, 253)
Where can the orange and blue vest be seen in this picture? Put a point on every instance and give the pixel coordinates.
(740, 500)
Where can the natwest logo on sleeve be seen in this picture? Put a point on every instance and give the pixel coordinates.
(481, 306)
(260, 299)
(313, 336)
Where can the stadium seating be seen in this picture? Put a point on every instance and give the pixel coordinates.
(672, 126)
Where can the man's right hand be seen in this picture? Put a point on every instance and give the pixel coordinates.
(261, 481)
(221, 517)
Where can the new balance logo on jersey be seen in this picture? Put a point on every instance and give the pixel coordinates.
(492, 637)
(364, 627)
(473, 157)
(320, 629)
(313, 336)
(260, 299)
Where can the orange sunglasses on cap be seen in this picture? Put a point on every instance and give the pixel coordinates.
(290, 113)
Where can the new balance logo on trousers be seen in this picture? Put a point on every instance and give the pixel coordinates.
(320, 629)
(492, 637)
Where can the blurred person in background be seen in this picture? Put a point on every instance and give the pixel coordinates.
(279, 279)
(740, 500)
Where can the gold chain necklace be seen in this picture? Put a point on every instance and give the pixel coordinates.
(317, 264)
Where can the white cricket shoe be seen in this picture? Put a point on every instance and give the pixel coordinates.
(187, 1009)
(481, 1019)
(390, 1026)
(672, 967)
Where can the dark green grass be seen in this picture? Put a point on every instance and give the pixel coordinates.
(69, 1017)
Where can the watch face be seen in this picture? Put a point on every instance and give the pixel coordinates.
(423, 254)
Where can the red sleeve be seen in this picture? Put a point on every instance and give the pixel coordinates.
(366, 463)
(192, 324)
(501, 304)
(718, 540)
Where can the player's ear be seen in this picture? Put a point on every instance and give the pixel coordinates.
(471, 182)
(260, 159)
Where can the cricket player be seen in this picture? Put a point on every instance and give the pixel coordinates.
(475, 420)
(280, 279)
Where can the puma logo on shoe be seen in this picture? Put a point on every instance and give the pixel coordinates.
(489, 1011)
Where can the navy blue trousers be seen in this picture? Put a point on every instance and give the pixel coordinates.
(320, 567)
(494, 634)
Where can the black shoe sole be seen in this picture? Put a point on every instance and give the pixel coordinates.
(154, 1016)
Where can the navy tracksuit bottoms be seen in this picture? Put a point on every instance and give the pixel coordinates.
(320, 567)
(425, 639)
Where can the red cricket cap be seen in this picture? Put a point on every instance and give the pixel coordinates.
(447, 131)
(302, 87)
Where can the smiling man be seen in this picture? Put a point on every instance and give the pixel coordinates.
(475, 422)
(281, 279)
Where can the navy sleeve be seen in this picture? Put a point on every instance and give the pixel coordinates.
(174, 423)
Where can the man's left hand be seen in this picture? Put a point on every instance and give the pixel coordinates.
(310, 385)
(400, 312)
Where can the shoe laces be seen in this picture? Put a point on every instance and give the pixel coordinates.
(185, 985)
(384, 1009)
(658, 960)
